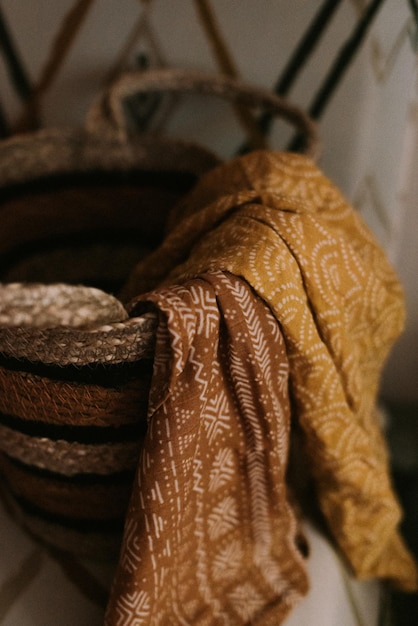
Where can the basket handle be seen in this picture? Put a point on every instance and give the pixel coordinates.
(107, 115)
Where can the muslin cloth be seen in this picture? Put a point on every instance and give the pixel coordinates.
(274, 221)
(210, 535)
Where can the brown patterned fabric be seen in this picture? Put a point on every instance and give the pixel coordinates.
(210, 537)
(276, 221)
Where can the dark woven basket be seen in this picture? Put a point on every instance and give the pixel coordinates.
(82, 208)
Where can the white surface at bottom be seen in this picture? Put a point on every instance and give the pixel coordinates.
(335, 598)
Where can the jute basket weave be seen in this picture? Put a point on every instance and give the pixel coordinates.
(81, 207)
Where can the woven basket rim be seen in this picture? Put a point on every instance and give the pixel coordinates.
(53, 151)
(118, 342)
(110, 337)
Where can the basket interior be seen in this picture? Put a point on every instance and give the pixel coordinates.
(86, 228)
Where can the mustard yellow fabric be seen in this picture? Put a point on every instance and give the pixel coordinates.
(276, 221)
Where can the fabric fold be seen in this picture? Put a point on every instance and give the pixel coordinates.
(210, 535)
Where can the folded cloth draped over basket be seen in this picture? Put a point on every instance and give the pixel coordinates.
(199, 548)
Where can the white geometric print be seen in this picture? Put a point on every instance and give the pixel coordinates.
(133, 609)
(207, 311)
(223, 518)
(227, 562)
(216, 417)
(197, 476)
(223, 469)
(131, 553)
(247, 601)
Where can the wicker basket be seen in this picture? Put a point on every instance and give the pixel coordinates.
(81, 207)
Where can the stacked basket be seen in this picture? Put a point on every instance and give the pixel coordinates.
(81, 208)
